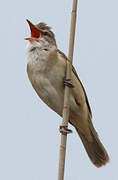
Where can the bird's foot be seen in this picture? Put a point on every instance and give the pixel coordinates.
(67, 82)
(64, 130)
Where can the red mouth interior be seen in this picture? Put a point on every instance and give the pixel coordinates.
(35, 33)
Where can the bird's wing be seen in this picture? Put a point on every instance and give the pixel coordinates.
(75, 73)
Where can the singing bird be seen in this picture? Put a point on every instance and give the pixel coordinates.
(46, 70)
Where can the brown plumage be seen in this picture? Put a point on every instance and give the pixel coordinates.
(94, 149)
(46, 31)
(46, 70)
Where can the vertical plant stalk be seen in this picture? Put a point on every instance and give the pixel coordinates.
(66, 107)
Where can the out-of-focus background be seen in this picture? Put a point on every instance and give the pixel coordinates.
(29, 136)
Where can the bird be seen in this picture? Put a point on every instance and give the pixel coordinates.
(46, 69)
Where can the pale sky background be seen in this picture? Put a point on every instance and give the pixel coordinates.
(29, 136)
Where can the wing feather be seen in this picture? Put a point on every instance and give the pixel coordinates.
(75, 73)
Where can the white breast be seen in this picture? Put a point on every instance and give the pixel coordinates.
(46, 73)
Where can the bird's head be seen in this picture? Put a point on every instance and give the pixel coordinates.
(41, 32)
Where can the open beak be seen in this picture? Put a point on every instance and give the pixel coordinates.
(35, 33)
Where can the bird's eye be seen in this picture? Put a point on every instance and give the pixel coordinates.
(46, 33)
(46, 49)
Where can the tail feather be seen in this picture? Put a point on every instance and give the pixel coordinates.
(94, 149)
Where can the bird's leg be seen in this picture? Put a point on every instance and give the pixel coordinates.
(67, 82)
(64, 130)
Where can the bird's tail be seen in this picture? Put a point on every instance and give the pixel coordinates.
(94, 149)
